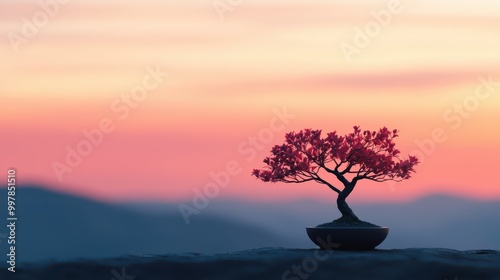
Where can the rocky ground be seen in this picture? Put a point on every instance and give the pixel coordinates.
(277, 263)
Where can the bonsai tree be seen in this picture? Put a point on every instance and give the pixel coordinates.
(361, 155)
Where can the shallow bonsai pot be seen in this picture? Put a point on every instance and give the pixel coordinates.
(347, 238)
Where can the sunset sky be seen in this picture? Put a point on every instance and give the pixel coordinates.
(424, 67)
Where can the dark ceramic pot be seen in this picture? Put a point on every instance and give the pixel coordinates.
(347, 238)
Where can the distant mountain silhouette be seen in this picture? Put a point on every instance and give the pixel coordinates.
(59, 226)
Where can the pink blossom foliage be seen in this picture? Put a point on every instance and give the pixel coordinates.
(358, 155)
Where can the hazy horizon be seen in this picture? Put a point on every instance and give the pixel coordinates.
(329, 197)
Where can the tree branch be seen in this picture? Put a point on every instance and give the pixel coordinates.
(320, 180)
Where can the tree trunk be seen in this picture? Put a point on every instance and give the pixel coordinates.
(347, 213)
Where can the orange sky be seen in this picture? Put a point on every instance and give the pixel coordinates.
(227, 75)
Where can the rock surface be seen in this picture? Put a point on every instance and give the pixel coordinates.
(277, 263)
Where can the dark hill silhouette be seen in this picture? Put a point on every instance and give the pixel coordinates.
(62, 226)
(59, 226)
